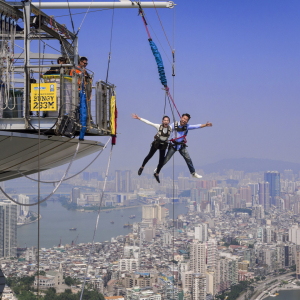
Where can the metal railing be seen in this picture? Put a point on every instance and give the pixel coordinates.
(103, 94)
(15, 105)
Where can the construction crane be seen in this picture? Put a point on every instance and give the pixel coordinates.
(74, 243)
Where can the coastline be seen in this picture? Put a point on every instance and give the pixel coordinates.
(285, 294)
(277, 289)
(23, 224)
(107, 209)
(115, 208)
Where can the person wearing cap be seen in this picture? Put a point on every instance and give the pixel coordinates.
(56, 70)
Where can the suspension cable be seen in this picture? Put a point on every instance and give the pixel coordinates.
(55, 189)
(173, 180)
(97, 221)
(111, 35)
(33, 179)
(84, 17)
(81, 13)
(71, 16)
(161, 24)
(39, 156)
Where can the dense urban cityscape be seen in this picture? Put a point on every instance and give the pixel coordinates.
(239, 238)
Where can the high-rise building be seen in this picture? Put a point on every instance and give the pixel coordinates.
(245, 192)
(211, 254)
(237, 200)
(288, 175)
(294, 234)
(23, 210)
(254, 192)
(197, 257)
(75, 195)
(201, 232)
(211, 280)
(298, 263)
(154, 214)
(131, 251)
(118, 181)
(127, 181)
(8, 229)
(274, 185)
(203, 195)
(199, 287)
(86, 176)
(258, 212)
(195, 197)
(167, 238)
(249, 255)
(183, 183)
(128, 264)
(94, 175)
(264, 195)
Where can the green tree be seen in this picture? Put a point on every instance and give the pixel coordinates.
(293, 268)
(71, 281)
(281, 271)
(50, 294)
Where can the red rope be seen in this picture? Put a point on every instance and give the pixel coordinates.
(169, 94)
(167, 88)
(184, 137)
(146, 26)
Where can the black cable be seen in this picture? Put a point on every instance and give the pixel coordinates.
(71, 16)
(111, 35)
(43, 54)
(172, 110)
(39, 154)
(84, 12)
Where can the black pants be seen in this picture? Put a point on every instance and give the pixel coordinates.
(161, 157)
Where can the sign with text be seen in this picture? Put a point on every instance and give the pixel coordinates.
(45, 100)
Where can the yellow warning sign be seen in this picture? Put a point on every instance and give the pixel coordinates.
(47, 94)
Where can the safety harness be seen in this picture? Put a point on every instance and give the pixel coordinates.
(174, 141)
(161, 138)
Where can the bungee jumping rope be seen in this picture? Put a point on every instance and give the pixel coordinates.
(162, 74)
(158, 59)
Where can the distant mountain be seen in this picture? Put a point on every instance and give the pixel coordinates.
(248, 165)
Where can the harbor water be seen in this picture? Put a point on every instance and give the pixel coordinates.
(56, 223)
(286, 295)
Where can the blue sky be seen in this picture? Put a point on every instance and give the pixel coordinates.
(237, 65)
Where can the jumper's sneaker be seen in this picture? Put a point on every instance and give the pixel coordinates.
(140, 171)
(195, 175)
(154, 172)
(156, 177)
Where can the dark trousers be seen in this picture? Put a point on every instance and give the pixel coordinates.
(153, 149)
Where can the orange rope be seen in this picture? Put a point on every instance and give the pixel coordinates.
(162, 25)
